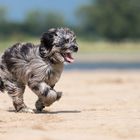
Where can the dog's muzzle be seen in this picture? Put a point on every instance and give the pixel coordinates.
(68, 55)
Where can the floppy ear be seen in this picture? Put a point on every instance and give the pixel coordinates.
(47, 39)
(46, 42)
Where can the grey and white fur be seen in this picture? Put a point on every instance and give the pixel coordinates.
(38, 66)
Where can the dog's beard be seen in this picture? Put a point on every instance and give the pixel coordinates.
(57, 57)
(61, 56)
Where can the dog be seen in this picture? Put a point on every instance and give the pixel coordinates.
(38, 66)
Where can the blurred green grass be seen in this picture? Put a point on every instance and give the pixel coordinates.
(9, 42)
(108, 47)
(84, 46)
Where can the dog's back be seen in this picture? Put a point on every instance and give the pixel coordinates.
(17, 58)
(17, 54)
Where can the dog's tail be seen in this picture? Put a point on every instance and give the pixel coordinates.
(1, 75)
(1, 85)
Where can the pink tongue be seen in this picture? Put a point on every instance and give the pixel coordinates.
(69, 58)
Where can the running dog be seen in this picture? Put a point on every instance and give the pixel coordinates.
(38, 66)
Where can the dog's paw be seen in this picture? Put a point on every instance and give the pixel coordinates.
(39, 105)
(26, 110)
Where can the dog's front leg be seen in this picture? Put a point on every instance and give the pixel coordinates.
(46, 95)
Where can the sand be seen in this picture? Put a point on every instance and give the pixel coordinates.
(96, 105)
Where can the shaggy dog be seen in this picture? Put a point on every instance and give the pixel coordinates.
(38, 66)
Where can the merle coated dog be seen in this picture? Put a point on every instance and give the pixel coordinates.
(38, 66)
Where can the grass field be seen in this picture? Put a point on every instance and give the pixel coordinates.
(9, 42)
(103, 47)
(91, 51)
(85, 46)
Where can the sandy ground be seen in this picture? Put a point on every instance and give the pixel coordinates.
(98, 105)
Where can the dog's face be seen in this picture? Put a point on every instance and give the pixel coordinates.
(60, 44)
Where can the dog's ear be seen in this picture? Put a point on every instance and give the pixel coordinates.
(47, 39)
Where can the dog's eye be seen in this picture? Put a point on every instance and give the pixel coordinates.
(67, 40)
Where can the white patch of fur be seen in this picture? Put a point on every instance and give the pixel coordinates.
(43, 87)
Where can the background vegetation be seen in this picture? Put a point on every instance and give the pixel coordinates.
(114, 20)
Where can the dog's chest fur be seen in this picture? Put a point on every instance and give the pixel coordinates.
(54, 75)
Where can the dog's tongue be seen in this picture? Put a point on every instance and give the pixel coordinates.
(69, 58)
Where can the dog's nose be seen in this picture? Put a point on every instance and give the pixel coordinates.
(74, 48)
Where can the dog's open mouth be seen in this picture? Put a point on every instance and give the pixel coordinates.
(68, 57)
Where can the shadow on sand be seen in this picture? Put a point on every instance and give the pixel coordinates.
(58, 112)
(50, 112)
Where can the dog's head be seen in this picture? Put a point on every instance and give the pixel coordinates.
(59, 44)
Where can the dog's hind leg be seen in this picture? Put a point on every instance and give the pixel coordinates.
(16, 91)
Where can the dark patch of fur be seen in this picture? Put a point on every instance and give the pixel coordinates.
(47, 40)
(35, 88)
(1, 85)
(52, 86)
(25, 49)
(46, 43)
(46, 92)
(1, 67)
(42, 51)
(6, 58)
